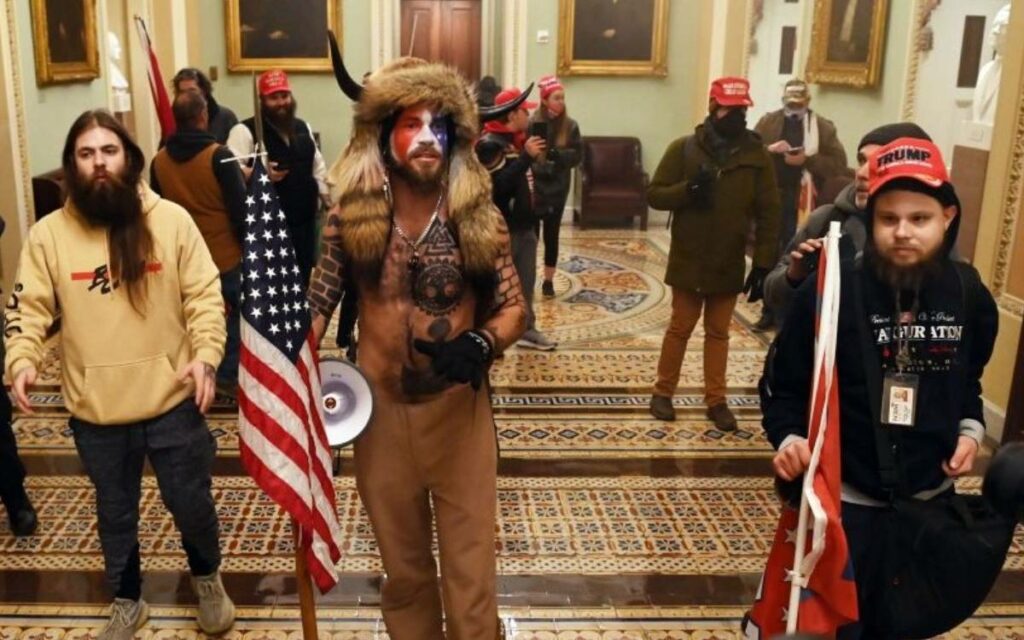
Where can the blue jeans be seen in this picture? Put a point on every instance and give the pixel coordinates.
(231, 289)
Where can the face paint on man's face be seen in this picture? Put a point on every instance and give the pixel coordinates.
(419, 133)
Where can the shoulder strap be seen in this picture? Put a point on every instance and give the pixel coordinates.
(873, 383)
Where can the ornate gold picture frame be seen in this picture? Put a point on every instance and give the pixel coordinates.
(604, 37)
(847, 42)
(266, 34)
(64, 41)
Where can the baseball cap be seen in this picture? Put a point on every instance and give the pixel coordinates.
(731, 92)
(911, 158)
(796, 92)
(510, 94)
(273, 81)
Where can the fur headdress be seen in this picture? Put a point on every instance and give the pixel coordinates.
(359, 174)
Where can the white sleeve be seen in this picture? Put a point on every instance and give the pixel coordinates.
(319, 168)
(240, 143)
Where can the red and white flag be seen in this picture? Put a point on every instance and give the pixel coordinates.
(156, 83)
(808, 583)
(280, 418)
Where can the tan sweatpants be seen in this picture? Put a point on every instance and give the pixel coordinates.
(686, 310)
(442, 451)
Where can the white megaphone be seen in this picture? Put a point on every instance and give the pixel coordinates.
(346, 399)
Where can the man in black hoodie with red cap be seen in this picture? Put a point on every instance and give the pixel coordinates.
(919, 329)
(799, 258)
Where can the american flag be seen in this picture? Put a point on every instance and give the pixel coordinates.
(827, 596)
(281, 426)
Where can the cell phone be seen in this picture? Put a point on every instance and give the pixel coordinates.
(795, 150)
(539, 129)
(280, 165)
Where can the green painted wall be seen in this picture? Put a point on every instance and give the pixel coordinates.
(321, 103)
(49, 111)
(655, 110)
(857, 111)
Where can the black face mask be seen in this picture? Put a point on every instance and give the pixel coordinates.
(732, 125)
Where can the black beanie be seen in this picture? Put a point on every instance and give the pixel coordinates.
(886, 133)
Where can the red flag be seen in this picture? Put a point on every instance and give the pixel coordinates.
(156, 83)
(280, 421)
(827, 598)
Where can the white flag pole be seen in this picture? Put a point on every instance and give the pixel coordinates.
(824, 361)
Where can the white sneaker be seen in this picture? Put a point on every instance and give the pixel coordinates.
(534, 339)
(126, 617)
(216, 611)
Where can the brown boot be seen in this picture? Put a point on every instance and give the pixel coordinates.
(661, 408)
(722, 417)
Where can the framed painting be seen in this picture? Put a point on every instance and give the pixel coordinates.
(613, 37)
(265, 34)
(847, 42)
(64, 41)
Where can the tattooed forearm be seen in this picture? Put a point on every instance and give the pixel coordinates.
(325, 287)
(508, 318)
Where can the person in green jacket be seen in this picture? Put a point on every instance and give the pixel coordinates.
(716, 182)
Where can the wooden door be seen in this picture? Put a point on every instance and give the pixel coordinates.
(445, 31)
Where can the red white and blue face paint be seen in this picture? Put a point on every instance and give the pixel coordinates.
(419, 133)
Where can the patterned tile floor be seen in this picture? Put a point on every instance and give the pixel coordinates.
(611, 525)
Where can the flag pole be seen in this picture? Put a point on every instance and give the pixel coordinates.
(307, 607)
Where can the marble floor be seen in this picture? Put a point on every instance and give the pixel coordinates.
(611, 525)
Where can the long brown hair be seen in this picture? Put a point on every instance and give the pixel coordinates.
(130, 242)
(560, 126)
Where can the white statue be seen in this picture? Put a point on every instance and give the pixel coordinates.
(122, 100)
(987, 90)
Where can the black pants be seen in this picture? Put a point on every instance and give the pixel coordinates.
(180, 448)
(304, 240)
(12, 472)
(865, 539)
(551, 222)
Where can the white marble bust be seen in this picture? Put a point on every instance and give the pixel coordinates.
(987, 90)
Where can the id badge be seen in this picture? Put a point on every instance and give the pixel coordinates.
(899, 399)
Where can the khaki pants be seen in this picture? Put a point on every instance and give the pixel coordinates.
(686, 310)
(442, 451)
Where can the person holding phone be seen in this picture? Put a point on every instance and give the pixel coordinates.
(510, 153)
(806, 152)
(554, 172)
(295, 164)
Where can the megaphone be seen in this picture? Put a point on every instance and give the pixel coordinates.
(346, 399)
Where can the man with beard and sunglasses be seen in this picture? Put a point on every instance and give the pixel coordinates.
(294, 162)
(717, 183)
(919, 329)
(141, 335)
(416, 233)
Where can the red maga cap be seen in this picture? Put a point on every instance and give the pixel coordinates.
(907, 158)
(731, 92)
(273, 81)
(510, 94)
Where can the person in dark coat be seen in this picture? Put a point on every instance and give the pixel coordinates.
(716, 182)
(221, 118)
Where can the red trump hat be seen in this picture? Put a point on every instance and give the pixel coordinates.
(273, 81)
(510, 94)
(912, 158)
(731, 92)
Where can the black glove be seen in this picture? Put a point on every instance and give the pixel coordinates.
(754, 286)
(461, 360)
(702, 188)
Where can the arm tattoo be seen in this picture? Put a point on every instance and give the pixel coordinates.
(326, 285)
(508, 314)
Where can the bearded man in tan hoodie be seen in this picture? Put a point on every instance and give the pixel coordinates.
(142, 332)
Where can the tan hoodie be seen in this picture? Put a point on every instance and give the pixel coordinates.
(118, 366)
